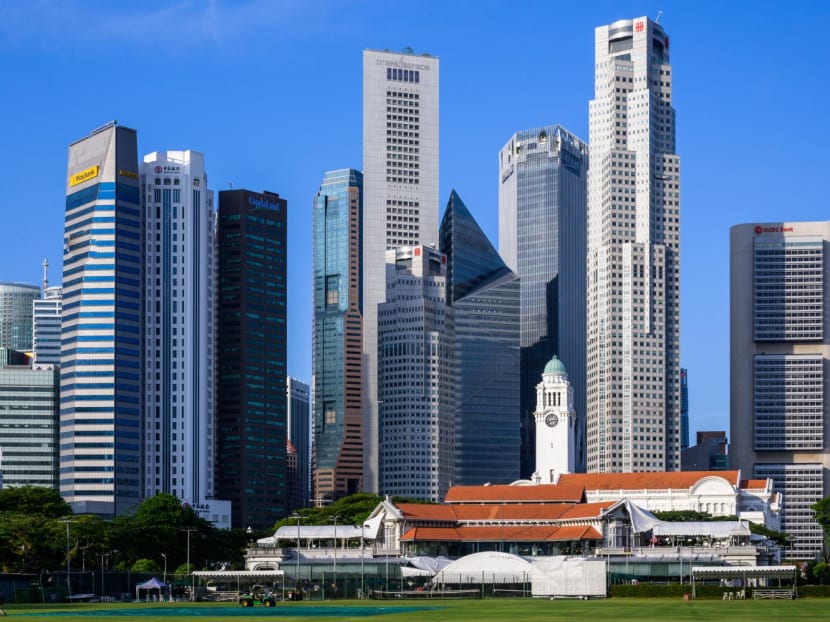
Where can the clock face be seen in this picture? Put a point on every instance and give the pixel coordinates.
(551, 420)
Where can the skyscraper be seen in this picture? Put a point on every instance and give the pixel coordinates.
(684, 409)
(400, 169)
(484, 295)
(16, 315)
(28, 426)
(101, 397)
(338, 336)
(299, 425)
(415, 376)
(179, 301)
(251, 356)
(543, 176)
(779, 351)
(46, 326)
(633, 413)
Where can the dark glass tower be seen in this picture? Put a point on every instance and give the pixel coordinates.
(543, 237)
(484, 294)
(251, 356)
(338, 336)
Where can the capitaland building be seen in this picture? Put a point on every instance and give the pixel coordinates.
(251, 356)
(101, 396)
(178, 331)
(484, 296)
(543, 175)
(337, 364)
(400, 194)
(779, 351)
(633, 278)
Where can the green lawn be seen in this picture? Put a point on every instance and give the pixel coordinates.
(502, 610)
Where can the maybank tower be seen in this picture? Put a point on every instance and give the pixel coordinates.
(100, 411)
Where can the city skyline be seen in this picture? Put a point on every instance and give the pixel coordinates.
(726, 116)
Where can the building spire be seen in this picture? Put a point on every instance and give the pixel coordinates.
(45, 275)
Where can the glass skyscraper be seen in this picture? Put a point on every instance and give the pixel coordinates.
(484, 294)
(299, 425)
(101, 398)
(542, 237)
(16, 315)
(251, 356)
(338, 335)
(46, 326)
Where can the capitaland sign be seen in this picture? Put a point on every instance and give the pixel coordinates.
(84, 175)
(262, 203)
(759, 229)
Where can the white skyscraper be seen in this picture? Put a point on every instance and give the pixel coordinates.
(179, 301)
(633, 418)
(400, 185)
(415, 376)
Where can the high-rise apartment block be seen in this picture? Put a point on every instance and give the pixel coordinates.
(251, 356)
(633, 279)
(338, 336)
(46, 326)
(484, 295)
(400, 183)
(101, 392)
(415, 376)
(543, 176)
(178, 332)
(299, 426)
(16, 315)
(29, 424)
(779, 359)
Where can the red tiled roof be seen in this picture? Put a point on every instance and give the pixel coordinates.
(427, 511)
(575, 532)
(754, 483)
(516, 494)
(587, 510)
(660, 480)
(490, 533)
(512, 512)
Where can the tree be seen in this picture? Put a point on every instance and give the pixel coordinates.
(146, 565)
(683, 516)
(822, 510)
(34, 500)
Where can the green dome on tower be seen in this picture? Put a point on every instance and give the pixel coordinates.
(555, 366)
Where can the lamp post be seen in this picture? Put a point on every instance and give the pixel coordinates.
(335, 517)
(164, 555)
(104, 557)
(362, 554)
(298, 517)
(66, 522)
(188, 530)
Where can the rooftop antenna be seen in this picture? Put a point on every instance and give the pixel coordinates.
(659, 15)
(45, 274)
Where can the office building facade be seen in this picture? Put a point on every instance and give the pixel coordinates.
(633, 279)
(485, 298)
(251, 356)
(46, 326)
(299, 427)
(179, 302)
(101, 397)
(779, 364)
(415, 376)
(16, 315)
(28, 427)
(338, 336)
(684, 409)
(400, 183)
(543, 176)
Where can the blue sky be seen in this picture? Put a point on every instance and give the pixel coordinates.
(270, 92)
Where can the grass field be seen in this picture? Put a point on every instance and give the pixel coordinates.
(501, 610)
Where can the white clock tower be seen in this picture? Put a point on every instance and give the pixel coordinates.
(555, 424)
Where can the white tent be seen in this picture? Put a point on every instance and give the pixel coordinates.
(149, 586)
(486, 567)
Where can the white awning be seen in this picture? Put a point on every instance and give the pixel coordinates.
(713, 529)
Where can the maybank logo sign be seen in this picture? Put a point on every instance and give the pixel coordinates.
(261, 203)
(84, 175)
